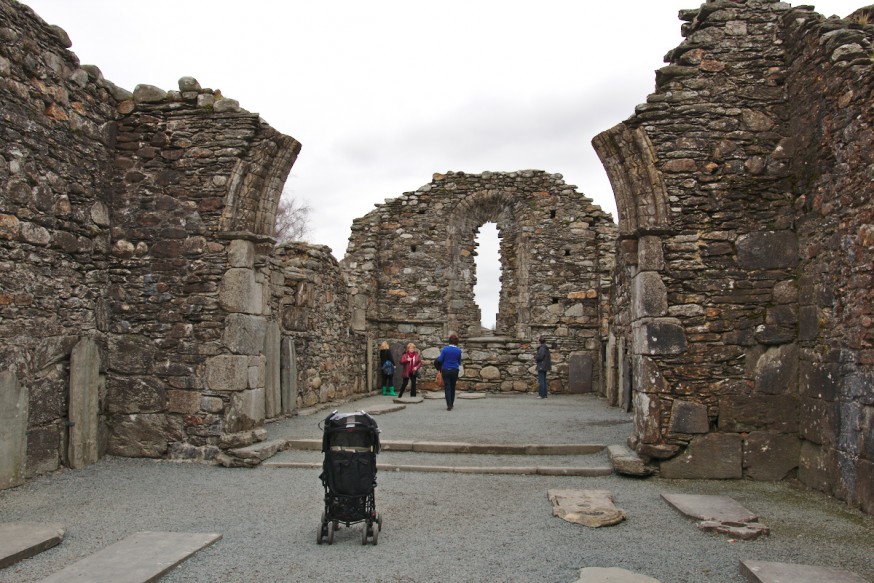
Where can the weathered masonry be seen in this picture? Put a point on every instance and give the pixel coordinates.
(411, 272)
(144, 307)
(743, 289)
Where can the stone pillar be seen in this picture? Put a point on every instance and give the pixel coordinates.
(288, 376)
(84, 404)
(272, 379)
(612, 388)
(13, 430)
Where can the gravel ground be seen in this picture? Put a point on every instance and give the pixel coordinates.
(437, 527)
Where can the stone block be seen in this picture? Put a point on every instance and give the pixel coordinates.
(662, 336)
(689, 417)
(777, 371)
(135, 394)
(767, 250)
(647, 415)
(288, 376)
(227, 372)
(816, 466)
(257, 372)
(45, 448)
(592, 508)
(819, 380)
(580, 369)
(612, 575)
(146, 435)
(14, 399)
(241, 254)
(272, 371)
(131, 354)
(185, 402)
(244, 333)
(626, 462)
(22, 540)
(239, 292)
(808, 323)
(649, 296)
(818, 421)
(863, 491)
(245, 411)
(740, 413)
(84, 404)
(295, 319)
(650, 254)
(770, 456)
(713, 456)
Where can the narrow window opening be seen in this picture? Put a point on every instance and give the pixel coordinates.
(413, 248)
(487, 290)
(554, 300)
(567, 252)
(552, 214)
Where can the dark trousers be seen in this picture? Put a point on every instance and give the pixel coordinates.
(450, 377)
(412, 381)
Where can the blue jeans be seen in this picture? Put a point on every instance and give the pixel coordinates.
(541, 382)
(450, 377)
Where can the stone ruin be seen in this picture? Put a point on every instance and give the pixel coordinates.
(146, 310)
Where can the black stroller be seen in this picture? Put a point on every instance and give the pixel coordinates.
(350, 442)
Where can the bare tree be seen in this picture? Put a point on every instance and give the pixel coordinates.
(292, 219)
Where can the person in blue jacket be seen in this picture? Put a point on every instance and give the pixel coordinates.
(449, 362)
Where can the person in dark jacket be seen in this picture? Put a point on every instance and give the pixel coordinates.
(449, 363)
(544, 364)
(387, 369)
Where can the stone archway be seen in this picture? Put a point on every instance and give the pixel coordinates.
(411, 264)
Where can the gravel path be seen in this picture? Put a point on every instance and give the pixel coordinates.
(438, 527)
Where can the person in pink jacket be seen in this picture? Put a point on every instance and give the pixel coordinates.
(411, 363)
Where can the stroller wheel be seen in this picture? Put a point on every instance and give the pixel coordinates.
(330, 533)
(375, 533)
(379, 520)
(322, 530)
(365, 533)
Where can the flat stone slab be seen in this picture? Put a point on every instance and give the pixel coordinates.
(22, 540)
(719, 514)
(612, 575)
(701, 507)
(260, 451)
(408, 400)
(387, 408)
(433, 395)
(470, 395)
(592, 508)
(140, 558)
(767, 572)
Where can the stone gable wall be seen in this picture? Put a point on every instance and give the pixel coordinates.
(412, 272)
(744, 209)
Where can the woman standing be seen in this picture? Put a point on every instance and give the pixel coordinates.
(412, 362)
(387, 369)
(449, 362)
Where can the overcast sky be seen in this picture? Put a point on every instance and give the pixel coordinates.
(384, 93)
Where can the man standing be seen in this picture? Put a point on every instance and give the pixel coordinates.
(544, 364)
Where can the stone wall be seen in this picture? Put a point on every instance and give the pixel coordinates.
(412, 272)
(144, 309)
(747, 313)
(57, 152)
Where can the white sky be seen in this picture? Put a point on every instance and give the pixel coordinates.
(384, 93)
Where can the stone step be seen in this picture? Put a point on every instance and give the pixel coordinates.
(140, 558)
(768, 572)
(551, 465)
(627, 462)
(22, 540)
(468, 448)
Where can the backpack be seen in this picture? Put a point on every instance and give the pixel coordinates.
(388, 368)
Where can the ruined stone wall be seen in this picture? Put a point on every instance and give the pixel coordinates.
(313, 311)
(56, 159)
(190, 284)
(412, 272)
(141, 304)
(830, 142)
(733, 342)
